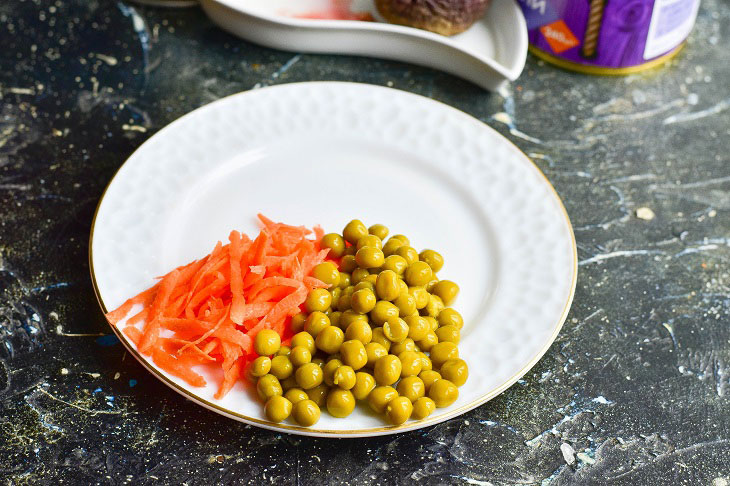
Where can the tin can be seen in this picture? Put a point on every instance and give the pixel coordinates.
(608, 37)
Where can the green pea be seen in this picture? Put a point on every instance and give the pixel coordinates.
(446, 290)
(316, 322)
(305, 340)
(335, 243)
(456, 371)
(378, 230)
(443, 393)
(449, 317)
(418, 274)
(277, 408)
(390, 246)
(383, 311)
(318, 300)
(406, 304)
(386, 285)
(340, 403)
(407, 252)
(448, 334)
(354, 230)
(398, 410)
(433, 258)
(387, 370)
(369, 257)
(363, 301)
(395, 329)
(396, 263)
(306, 413)
(348, 263)
(330, 339)
(327, 272)
(353, 354)
(369, 240)
(266, 342)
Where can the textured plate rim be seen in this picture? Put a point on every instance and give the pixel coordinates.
(347, 433)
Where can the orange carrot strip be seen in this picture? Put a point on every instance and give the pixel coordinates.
(238, 302)
(176, 367)
(133, 334)
(152, 327)
(145, 298)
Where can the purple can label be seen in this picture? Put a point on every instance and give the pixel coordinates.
(609, 33)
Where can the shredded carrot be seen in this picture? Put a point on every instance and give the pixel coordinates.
(208, 312)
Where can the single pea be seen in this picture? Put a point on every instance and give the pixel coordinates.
(282, 367)
(418, 327)
(407, 252)
(330, 339)
(344, 377)
(396, 264)
(335, 243)
(353, 354)
(359, 274)
(318, 300)
(369, 240)
(343, 303)
(289, 383)
(335, 318)
(383, 311)
(305, 413)
(410, 363)
(300, 355)
(450, 317)
(267, 386)
(428, 341)
(433, 258)
(350, 250)
(340, 403)
(447, 290)
(372, 278)
(283, 351)
(390, 246)
(379, 230)
(328, 273)
(456, 371)
(365, 285)
(303, 339)
(386, 285)
(430, 285)
(295, 395)
(260, 366)
(369, 257)
(363, 301)
(448, 334)
(380, 396)
(335, 293)
(429, 377)
(297, 322)
(344, 280)
(354, 230)
(425, 361)
(420, 295)
(434, 307)
(374, 351)
(379, 338)
(418, 274)
(443, 393)
(267, 342)
(387, 370)
(403, 238)
(395, 329)
(412, 388)
(406, 304)
(433, 322)
(329, 371)
(277, 408)
(350, 316)
(309, 375)
(442, 352)
(359, 330)
(406, 345)
(398, 410)
(348, 264)
(423, 407)
(316, 322)
(318, 394)
(364, 384)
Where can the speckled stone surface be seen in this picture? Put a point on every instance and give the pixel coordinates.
(634, 391)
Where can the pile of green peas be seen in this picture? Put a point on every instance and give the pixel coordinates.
(381, 332)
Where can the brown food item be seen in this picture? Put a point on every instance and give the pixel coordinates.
(446, 17)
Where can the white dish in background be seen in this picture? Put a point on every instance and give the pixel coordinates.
(324, 153)
(488, 54)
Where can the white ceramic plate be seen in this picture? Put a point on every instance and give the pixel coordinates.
(489, 53)
(324, 153)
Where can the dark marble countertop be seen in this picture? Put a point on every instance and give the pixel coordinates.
(636, 387)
